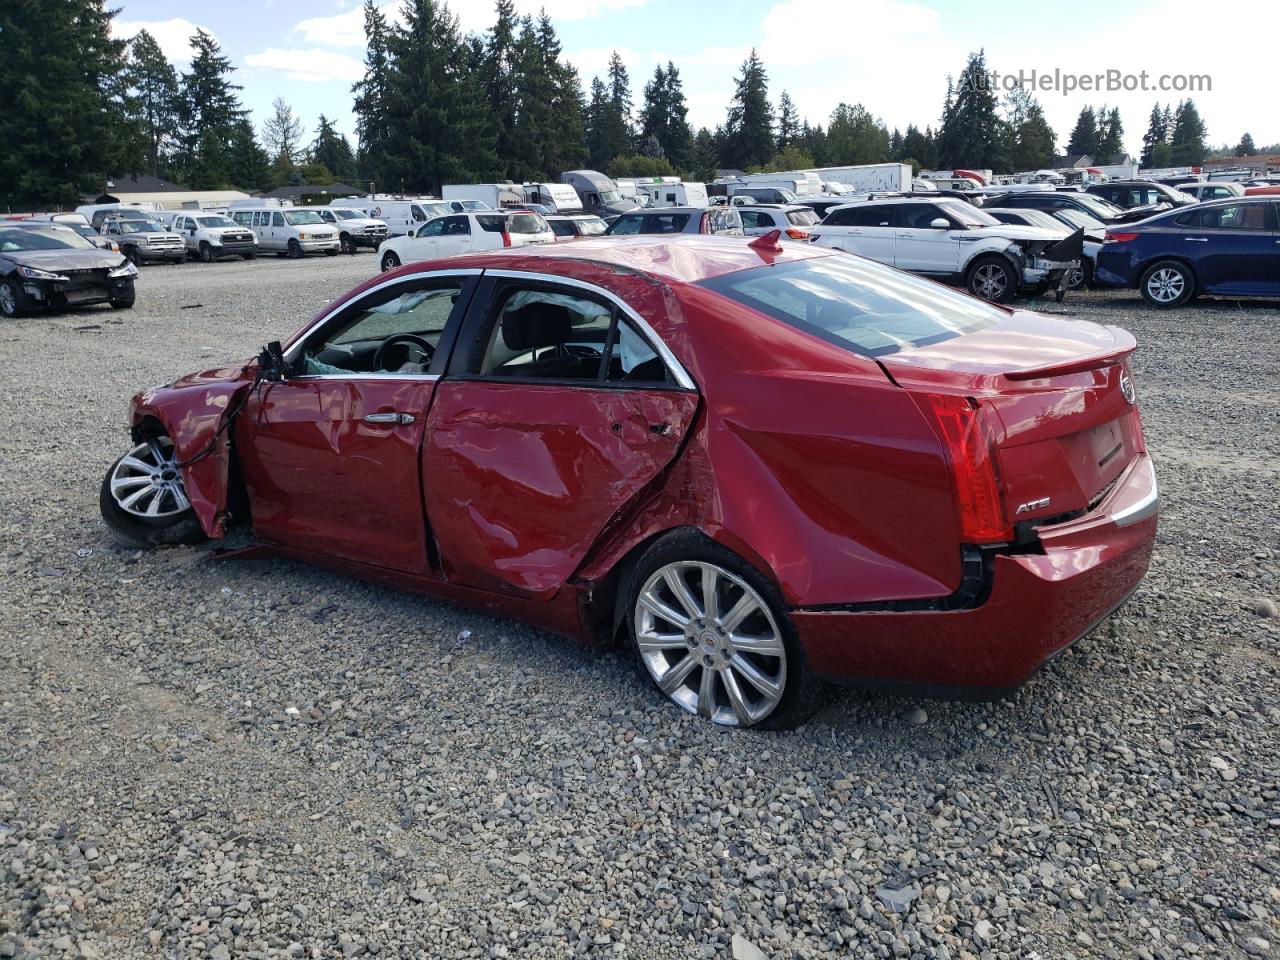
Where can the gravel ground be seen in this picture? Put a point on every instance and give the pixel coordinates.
(253, 758)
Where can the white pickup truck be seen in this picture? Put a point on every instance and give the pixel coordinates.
(212, 235)
(355, 230)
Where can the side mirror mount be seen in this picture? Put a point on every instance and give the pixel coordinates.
(940, 223)
(271, 364)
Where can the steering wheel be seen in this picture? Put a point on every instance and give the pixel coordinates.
(423, 346)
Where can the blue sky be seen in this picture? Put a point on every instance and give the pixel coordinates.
(893, 56)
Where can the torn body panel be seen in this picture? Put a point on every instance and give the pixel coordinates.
(191, 410)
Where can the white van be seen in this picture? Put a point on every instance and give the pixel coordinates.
(494, 196)
(401, 216)
(292, 231)
(558, 197)
(673, 194)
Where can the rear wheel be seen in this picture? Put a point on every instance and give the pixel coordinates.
(143, 498)
(713, 635)
(295, 250)
(206, 252)
(1081, 277)
(389, 261)
(1167, 283)
(992, 278)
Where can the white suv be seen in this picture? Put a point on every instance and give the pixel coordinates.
(355, 230)
(952, 241)
(465, 232)
(211, 235)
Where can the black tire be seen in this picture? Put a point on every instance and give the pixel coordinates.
(123, 303)
(249, 256)
(134, 256)
(348, 245)
(1167, 284)
(295, 250)
(993, 278)
(390, 261)
(13, 302)
(802, 693)
(206, 252)
(136, 531)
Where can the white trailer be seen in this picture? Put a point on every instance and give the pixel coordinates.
(556, 197)
(494, 196)
(802, 183)
(673, 194)
(869, 178)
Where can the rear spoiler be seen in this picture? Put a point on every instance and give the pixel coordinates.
(1078, 365)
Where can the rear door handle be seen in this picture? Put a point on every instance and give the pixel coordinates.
(394, 417)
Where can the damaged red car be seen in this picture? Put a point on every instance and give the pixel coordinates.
(762, 466)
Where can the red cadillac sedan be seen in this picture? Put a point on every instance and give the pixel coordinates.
(762, 465)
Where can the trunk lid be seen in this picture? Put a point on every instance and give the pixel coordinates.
(1057, 397)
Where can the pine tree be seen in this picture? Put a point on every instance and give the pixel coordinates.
(706, 156)
(501, 78)
(63, 124)
(972, 133)
(437, 125)
(1110, 134)
(1032, 142)
(331, 149)
(664, 116)
(1246, 148)
(1084, 138)
(210, 111)
(247, 162)
(153, 85)
(282, 134)
(371, 93)
(788, 122)
(599, 152)
(748, 132)
(1188, 139)
(1157, 135)
(854, 136)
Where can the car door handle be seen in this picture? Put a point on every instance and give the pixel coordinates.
(394, 417)
(1196, 239)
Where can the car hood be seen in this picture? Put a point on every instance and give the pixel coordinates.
(55, 260)
(1015, 231)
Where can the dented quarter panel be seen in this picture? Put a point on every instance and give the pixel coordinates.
(191, 409)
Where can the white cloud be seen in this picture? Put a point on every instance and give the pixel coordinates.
(308, 66)
(173, 36)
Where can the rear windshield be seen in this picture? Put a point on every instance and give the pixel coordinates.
(493, 223)
(802, 218)
(563, 228)
(526, 223)
(650, 223)
(592, 227)
(863, 306)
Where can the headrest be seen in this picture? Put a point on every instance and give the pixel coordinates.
(537, 324)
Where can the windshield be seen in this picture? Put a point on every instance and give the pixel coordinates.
(1078, 218)
(140, 226)
(967, 214)
(857, 304)
(1104, 208)
(299, 218)
(592, 226)
(83, 229)
(216, 222)
(610, 196)
(1034, 218)
(345, 214)
(41, 238)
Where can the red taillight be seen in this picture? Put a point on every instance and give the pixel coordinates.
(506, 239)
(1119, 237)
(970, 447)
(795, 234)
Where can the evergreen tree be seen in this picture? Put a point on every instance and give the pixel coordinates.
(706, 156)
(748, 131)
(665, 116)
(599, 152)
(895, 146)
(331, 149)
(854, 136)
(1032, 142)
(1157, 135)
(1246, 148)
(1188, 141)
(788, 122)
(282, 133)
(371, 93)
(500, 76)
(437, 124)
(153, 85)
(1110, 134)
(972, 133)
(63, 124)
(609, 130)
(813, 141)
(1084, 138)
(209, 114)
(246, 161)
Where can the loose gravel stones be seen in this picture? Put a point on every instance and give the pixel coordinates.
(238, 758)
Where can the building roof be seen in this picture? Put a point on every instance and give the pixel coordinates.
(293, 192)
(1072, 160)
(144, 183)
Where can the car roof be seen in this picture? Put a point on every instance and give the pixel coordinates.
(676, 258)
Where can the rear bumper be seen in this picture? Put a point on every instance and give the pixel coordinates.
(1115, 268)
(1038, 605)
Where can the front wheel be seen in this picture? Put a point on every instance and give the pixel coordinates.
(124, 302)
(1167, 284)
(206, 252)
(348, 245)
(12, 299)
(143, 498)
(134, 256)
(295, 250)
(1081, 277)
(992, 278)
(390, 261)
(713, 635)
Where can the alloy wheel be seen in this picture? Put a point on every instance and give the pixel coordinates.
(147, 482)
(711, 643)
(8, 302)
(1076, 280)
(1166, 285)
(990, 281)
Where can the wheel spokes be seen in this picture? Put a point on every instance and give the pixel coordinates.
(654, 641)
(680, 590)
(739, 612)
(710, 599)
(654, 605)
(675, 676)
(765, 685)
(707, 693)
(737, 701)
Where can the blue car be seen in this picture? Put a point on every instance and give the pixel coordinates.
(1227, 248)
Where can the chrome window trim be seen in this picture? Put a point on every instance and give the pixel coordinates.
(677, 369)
(296, 346)
(416, 377)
